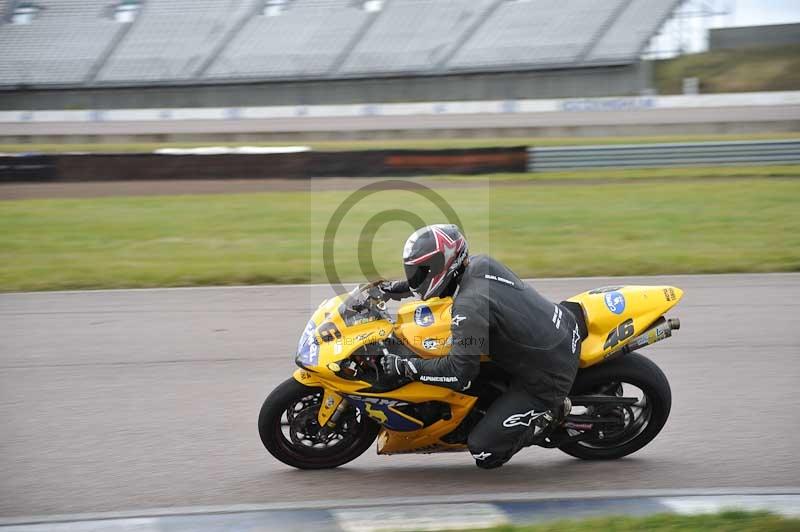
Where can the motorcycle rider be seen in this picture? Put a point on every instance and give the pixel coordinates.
(494, 313)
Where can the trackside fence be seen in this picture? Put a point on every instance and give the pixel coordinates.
(659, 155)
(68, 167)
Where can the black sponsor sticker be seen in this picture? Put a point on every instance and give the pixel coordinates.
(621, 333)
(604, 289)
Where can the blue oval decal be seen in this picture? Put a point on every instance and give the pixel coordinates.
(307, 347)
(423, 316)
(615, 302)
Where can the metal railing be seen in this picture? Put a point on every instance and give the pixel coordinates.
(658, 155)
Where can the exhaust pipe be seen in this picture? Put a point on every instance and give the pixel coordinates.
(660, 330)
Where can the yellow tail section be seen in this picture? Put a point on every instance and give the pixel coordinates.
(617, 314)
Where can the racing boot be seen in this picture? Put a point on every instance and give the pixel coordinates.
(548, 422)
(561, 412)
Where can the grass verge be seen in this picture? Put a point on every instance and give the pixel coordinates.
(732, 521)
(743, 225)
(772, 68)
(426, 143)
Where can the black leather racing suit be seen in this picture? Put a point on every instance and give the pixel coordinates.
(532, 339)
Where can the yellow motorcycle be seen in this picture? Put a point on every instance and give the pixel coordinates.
(339, 401)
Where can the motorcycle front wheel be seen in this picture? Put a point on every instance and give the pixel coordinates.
(631, 375)
(290, 431)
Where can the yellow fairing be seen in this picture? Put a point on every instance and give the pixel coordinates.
(429, 438)
(335, 340)
(616, 315)
(306, 377)
(395, 441)
(425, 327)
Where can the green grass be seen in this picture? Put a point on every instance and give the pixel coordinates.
(742, 225)
(740, 70)
(731, 521)
(427, 143)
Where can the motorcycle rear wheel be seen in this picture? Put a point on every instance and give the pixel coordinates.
(288, 427)
(629, 372)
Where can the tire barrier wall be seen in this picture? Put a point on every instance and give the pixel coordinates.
(302, 165)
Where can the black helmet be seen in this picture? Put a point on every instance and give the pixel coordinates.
(432, 257)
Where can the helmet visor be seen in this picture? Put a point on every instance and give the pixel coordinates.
(416, 275)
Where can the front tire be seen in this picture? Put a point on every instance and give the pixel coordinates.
(290, 432)
(631, 371)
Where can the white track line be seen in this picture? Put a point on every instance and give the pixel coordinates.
(473, 515)
(786, 505)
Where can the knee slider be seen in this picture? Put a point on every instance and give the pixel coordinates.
(490, 463)
(488, 459)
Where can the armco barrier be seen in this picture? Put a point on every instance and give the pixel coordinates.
(673, 154)
(301, 165)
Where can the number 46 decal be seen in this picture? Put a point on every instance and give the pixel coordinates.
(622, 332)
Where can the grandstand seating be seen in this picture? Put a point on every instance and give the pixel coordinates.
(631, 31)
(413, 35)
(305, 40)
(171, 38)
(535, 33)
(60, 46)
(77, 42)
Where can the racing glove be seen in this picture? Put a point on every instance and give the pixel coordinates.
(398, 368)
(396, 290)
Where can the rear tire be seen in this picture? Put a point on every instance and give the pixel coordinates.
(642, 373)
(289, 401)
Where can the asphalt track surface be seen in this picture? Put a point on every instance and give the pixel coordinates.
(632, 117)
(123, 400)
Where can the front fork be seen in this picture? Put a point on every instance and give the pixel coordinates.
(330, 410)
(332, 406)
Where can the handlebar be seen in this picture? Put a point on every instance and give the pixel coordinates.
(365, 300)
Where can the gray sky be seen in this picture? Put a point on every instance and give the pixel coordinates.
(740, 13)
(756, 12)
